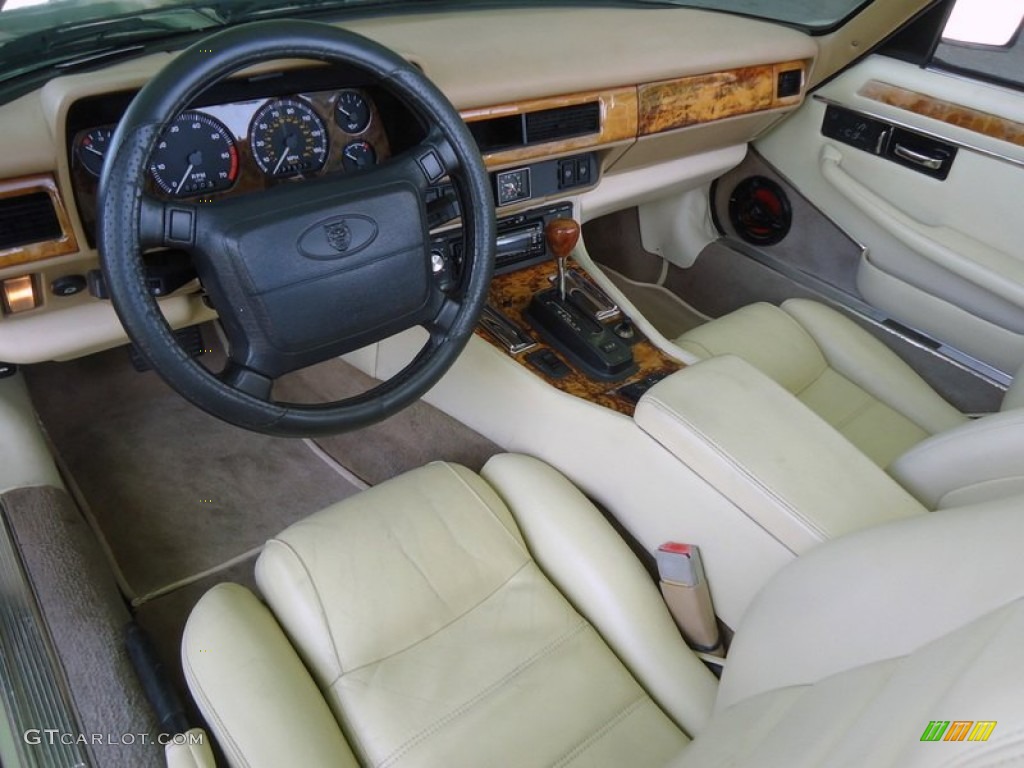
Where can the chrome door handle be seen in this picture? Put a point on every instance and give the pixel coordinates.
(918, 158)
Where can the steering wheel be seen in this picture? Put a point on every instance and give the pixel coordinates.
(302, 272)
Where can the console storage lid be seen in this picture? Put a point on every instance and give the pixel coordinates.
(764, 450)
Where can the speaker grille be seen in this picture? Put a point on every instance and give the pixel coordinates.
(759, 211)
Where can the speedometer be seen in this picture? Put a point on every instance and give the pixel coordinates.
(288, 138)
(195, 155)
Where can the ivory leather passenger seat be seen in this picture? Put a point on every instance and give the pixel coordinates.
(875, 400)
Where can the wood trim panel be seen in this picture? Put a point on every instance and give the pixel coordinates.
(976, 121)
(671, 104)
(618, 123)
(511, 293)
(26, 254)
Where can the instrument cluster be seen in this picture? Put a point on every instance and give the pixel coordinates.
(236, 147)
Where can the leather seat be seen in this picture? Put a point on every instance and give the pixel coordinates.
(874, 399)
(448, 619)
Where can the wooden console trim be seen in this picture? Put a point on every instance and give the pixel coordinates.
(974, 120)
(618, 123)
(25, 254)
(685, 101)
(511, 293)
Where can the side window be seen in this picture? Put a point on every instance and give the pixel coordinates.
(982, 38)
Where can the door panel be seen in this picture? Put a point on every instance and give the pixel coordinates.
(943, 256)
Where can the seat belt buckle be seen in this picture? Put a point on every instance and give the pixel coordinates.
(685, 589)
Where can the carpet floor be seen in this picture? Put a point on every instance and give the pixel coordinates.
(174, 492)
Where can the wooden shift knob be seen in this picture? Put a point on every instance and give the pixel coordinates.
(562, 236)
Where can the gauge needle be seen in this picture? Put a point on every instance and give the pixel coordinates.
(344, 111)
(91, 148)
(184, 178)
(284, 156)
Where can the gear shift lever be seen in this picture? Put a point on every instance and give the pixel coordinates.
(562, 236)
(570, 327)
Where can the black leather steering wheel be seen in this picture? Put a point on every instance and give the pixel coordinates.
(302, 272)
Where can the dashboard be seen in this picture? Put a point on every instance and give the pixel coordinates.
(224, 148)
(558, 119)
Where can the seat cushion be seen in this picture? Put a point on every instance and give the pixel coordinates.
(425, 621)
(852, 651)
(839, 371)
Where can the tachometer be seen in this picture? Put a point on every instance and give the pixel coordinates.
(196, 155)
(288, 138)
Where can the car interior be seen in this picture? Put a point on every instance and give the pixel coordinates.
(513, 384)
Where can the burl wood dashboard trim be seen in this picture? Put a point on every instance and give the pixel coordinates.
(686, 101)
(974, 120)
(618, 123)
(47, 249)
(641, 110)
(511, 293)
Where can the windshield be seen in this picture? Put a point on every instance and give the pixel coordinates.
(42, 37)
(21, 16)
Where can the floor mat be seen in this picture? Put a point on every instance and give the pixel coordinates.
(173, 491)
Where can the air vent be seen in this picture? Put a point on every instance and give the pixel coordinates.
(562, 122)
(539, 127)
(26, 219)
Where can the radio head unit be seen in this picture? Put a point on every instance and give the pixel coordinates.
(520, 240)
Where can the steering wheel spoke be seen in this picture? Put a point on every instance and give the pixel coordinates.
(168, 224)
(244, 379)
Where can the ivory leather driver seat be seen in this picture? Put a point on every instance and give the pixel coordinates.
(448, 619)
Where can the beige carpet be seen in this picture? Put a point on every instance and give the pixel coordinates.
(663, 309)
(174, 492)
(409, 439)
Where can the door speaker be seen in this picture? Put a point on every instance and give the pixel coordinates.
(759, 211)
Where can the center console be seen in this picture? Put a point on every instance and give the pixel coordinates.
(549, 316)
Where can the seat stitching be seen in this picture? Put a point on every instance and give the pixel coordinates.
(518, 544)
(440, 629)
(224, 736)
(725, 456)
(812, 382)
(600, 732)
(320, 604)
(462, 709)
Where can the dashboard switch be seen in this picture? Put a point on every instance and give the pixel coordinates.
(583, 171)
(567, 174)
(68, 285)
(180, 229)
(432, 167)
